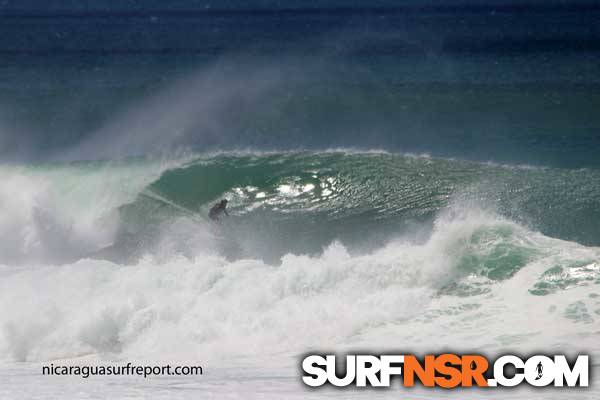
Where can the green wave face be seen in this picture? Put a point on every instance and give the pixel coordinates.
(347, 192)
(301, 202)
(481, 219)
(411, 247)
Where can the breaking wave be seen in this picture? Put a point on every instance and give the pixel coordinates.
(118, 259)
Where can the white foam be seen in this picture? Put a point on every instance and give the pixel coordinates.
(61, 212)
(176, 307)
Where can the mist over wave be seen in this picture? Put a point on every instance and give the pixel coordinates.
(282, 202)
(118, 259)
(244, 101)
(420, 176)
(62, 212)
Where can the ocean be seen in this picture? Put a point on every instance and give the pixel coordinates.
(422, 176)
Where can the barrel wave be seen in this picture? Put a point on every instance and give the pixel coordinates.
(118, 259)
(403, 177)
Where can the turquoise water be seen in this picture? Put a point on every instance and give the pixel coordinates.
(299, 203)
(318, 197)
(118, 259)
(424, 178)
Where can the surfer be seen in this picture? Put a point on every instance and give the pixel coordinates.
(217, 210)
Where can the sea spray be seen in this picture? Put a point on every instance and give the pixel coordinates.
(404, 292)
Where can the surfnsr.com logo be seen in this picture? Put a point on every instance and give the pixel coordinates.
(445, 370)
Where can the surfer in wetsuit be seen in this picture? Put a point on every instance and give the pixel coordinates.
(217, 210)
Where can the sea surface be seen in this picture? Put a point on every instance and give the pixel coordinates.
(417, 175)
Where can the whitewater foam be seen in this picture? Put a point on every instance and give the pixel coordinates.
(60, 212)
(221, 309)
(323, 252)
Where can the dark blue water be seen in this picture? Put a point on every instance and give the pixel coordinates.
(502, 81)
